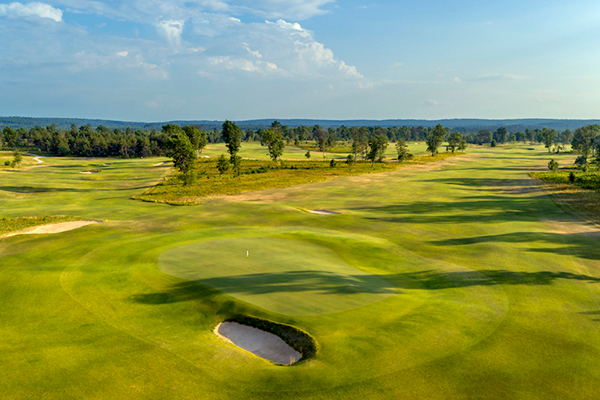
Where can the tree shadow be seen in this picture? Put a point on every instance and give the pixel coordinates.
(583, 245)
(593, 313)
(206, 290)
(486, 209)
(32, 189)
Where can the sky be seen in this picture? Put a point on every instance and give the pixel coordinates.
(157, 60)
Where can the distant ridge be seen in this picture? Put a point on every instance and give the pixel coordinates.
(461, 124)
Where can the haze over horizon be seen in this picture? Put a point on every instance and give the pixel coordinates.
(319, 59)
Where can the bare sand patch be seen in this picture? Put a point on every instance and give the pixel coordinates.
(161, 163)
(89, 172)
(258, 342)
(53, 228)
(323, 212)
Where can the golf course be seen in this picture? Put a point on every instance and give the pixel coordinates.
(454, 279)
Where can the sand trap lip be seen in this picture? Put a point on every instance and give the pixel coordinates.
(89, 172)
(53, 228)
(323, 212)
(161, 163)
(258, 342)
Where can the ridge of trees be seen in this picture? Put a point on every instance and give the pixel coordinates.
(84, 141)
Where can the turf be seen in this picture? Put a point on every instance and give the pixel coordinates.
(490, 289)
(290, 277)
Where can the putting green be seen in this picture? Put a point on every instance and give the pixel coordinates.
(290, 277)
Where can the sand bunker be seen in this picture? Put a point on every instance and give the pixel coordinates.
(323, 212)
(53, 228)
(161, 163)
(260, 343)
(89, 172)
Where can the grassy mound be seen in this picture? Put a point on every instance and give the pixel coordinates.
(291, 277)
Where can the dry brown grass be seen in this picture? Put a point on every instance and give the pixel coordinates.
(583, 203)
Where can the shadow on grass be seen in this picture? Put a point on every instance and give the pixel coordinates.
(583, 245)
(205, 290)
(593, 313)
(486, 209)
(32, 189)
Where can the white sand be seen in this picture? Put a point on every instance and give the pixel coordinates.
(323, 212)
(260, 343)
(53, 228)
(88, 172)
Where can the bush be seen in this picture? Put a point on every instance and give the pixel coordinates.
(571, 177)
(553, 165)
(332, 163)
(223, 164)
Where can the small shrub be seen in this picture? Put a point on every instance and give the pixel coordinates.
(223, 164)
(571, 177)
(553, 165)
(332, 163)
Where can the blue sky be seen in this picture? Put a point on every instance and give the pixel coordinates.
(158, 60)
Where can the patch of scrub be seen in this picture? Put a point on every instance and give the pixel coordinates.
(53, 228)
(258, 342)
(291, 277)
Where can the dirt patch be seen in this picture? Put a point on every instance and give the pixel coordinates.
(52, 228)
(161, 163)
(260, 343)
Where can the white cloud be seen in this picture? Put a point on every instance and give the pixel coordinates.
(304, 55)
(172, 30)
(40, 10)
(122, 53)
(230, 63)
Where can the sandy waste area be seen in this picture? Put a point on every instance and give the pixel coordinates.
(260, 343)
(323, 212)
(53, 228)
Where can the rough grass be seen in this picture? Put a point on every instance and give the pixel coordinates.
(261, 174)
(581, 198)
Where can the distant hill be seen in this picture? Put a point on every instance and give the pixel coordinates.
(461, 124)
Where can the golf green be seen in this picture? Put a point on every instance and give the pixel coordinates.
(290, 277)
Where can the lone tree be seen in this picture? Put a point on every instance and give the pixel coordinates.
(435, 139)
(233, 139)
(273, 139)
(402, 150)
(197, 137)
(17, 159)
(454, 141)
(182, 152)
(553, 165)
(377, 146)
(549, 136)
(359, 141)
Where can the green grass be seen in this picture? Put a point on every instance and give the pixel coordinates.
(489, 289)
(291, 277)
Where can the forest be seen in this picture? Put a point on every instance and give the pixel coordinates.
(85, 141)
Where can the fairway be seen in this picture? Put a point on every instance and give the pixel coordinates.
(455, 279)
(285, 276)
